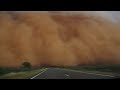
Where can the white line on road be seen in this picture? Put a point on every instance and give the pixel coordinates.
(85, 72)
(39, 73)
(67, 75)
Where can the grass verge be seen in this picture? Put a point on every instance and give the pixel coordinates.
(113, 70)
(27, 74)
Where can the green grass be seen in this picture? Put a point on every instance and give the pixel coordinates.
(20, 74)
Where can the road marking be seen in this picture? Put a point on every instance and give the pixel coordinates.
(67, 75)
(86, 72)
(39, 73)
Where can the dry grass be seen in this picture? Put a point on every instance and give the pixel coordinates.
(21, 75)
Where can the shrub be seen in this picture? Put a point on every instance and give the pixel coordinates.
(4, 70)
(26, 65)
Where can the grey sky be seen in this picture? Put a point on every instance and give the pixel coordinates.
(113, 15)
(116, 15)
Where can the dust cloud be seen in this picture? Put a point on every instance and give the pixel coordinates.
(57, 40)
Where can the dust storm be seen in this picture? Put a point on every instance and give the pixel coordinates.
(57, 39)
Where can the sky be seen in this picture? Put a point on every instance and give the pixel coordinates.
(112, 15)
(116, 14)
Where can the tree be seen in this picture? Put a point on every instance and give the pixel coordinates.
(26, 65)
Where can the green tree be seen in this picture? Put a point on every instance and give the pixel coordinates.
(26, 65)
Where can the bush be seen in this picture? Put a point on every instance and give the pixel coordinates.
(26, 65)
(1, 71)
(4, 71)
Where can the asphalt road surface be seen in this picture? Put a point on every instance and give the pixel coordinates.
(55, 73)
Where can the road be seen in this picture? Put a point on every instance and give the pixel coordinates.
(56, 73)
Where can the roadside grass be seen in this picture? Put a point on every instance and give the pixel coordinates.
(20, 73)
(23, 73)
(109, 69)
